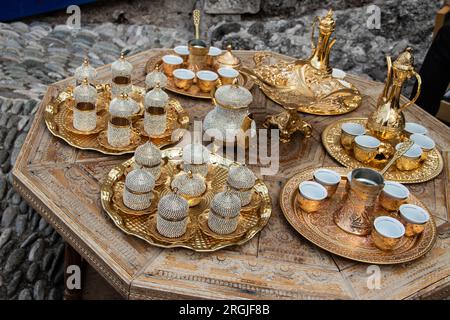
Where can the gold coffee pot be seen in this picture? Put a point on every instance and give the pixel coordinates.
(320, 57)
(198, 49)
(387, 121)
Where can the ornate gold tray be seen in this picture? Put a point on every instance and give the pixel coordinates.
(194, 91)
(428, 170)
(59, 111)
(314, 92)
(142, 226)
(320, 229)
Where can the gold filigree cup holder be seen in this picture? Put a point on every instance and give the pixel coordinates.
(193, 91)
(59, 114)
(320, 229)
(252, 220)
(296, 82)
(428, 169)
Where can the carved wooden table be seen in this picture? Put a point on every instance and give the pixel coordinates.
(63, 185)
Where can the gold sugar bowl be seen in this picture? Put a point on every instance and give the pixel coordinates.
(191, 187)
(227, 60)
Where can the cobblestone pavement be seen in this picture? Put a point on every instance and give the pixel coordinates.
(37, 53)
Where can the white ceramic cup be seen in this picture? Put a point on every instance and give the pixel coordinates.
(172, 59)
(184, 74)
(227, 75)
(414, 152)
(414, 218)
(389, 227)
(328, 178)
(311, 195)
(181, 50)
(214, 51)
(412, 127)
(393, 195)
(426, 143)
(207, 75)
(354, 129)
(367, 142)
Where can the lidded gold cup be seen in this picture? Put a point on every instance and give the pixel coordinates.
(84, 111)
(148, 157)
(172, 218)
(224, 212)
(241, 181)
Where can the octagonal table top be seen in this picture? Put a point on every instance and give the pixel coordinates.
(63, 185)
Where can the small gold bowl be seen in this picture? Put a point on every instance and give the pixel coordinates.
(387, 232)
(206, 80)
(311, 195)
(366, 148)
(227, 75)
(349, 131)
(170, 63)
(183, 78)
(329, 179)
(393, 195)
(410, 160)
(415, 218)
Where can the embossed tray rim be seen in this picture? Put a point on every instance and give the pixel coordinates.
(306, 175)
(52, 126)
(175, 153)
(325, 134)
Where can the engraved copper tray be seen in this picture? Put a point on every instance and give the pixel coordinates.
(59, 111)
(141, 226)
(314, 92)
(429, 169)
(194, 91)
(320, 229)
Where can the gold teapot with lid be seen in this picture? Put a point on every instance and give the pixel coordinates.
(227, 60)
(387, 122)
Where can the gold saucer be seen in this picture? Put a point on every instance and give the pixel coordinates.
(203, 225)
(429, 169)
(101, 124)
(251, 221)
(135, 141)
(319, 227)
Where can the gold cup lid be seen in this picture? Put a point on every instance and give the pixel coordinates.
(228, 58)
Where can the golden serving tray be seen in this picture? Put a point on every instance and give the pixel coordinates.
(320, 229)
(316, 93)
(252, 221)
(429, 169)
(194, 91)
(59, 111)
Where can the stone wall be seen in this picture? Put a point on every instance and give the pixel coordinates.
(41, 50)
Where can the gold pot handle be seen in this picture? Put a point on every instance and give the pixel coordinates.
(419, 85)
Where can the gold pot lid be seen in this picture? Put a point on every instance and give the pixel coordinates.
(327, 23)
(241, 177)
(85, 71)
(228, 58)
(85, 92)
(405, 61)
(123, 106)
(233, 96)
(147, 155)
(156, 97)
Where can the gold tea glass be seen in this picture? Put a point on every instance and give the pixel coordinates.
(329, 179)
(213, 53)
(387, 232)
(410, 160)
(349, 131)
(206, 80)
(393, 195)
(183, 78)
(311, 195)
(170, 63)
(414, 218)
(366, 148)
(424, 142)
(183, 52)
(227, 75)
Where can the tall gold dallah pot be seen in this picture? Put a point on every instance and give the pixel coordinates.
(387, 121)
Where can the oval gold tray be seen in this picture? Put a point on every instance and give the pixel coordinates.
(253, 221)
(317, 93)
(59, 111)
(320, 229)
(194, 91)
(429, 169)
